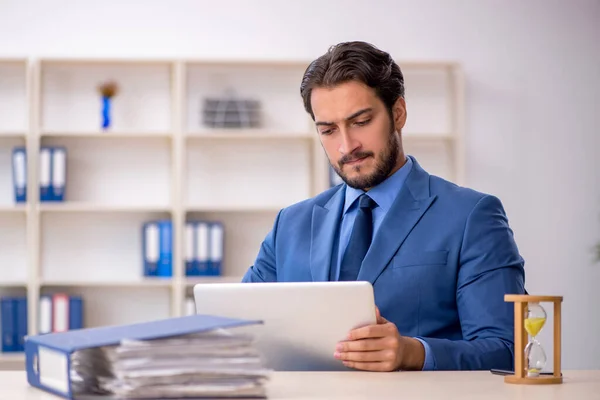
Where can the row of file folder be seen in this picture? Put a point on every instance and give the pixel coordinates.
(198, 356)
(13, 318)
(60, 313)
(52, 173)
(204, 247)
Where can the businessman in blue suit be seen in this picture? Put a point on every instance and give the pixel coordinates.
(440, 257)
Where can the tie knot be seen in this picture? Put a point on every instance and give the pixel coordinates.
(364, 201)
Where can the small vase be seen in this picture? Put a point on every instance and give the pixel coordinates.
(105, 112)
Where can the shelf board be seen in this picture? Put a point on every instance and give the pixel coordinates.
(13, 134)
(5, 284)
(73, 207)
(13, 208)
(12, 357)
(233, 209)
(191, 281)
(247, 134)
(106, 135)
(150, 283)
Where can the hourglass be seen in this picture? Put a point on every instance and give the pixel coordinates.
(530, 359)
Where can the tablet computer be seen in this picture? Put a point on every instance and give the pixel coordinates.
(302, 321)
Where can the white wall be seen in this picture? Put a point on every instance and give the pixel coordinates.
(532, 97)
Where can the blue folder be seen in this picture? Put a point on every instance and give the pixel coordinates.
(48, 357)
(8, 322)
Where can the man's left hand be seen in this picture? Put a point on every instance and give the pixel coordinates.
(380, 347)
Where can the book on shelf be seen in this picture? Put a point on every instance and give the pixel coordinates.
(204, 247)
(194, 356)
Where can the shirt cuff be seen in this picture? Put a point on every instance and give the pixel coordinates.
(429, 364)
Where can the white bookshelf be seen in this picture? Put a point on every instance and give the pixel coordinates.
(158, 161)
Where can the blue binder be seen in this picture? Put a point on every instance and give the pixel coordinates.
(45, 174)
(150, 248)
(75, 312)
(202, 248)
(59, 174)
(21, 322)
(165, 261)
(217, 248)
(48, 357)
(19, 175)
(191, 250)
(8, 320)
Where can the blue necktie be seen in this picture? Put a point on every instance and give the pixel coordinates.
(360, 239)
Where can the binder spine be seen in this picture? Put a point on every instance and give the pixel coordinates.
(190, 250)
(48, 369)
(8, 320)
(75, 312)
(60, 320)
(165, 265)
(216, 249)
(21, 323)
(45, 316)
(45, 174)
(150, 235)
(202, 245)
(20, 174)
(59, 174)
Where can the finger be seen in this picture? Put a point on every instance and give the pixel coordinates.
(367, 356)
(369, 332)
(363, 345)
(370, 366)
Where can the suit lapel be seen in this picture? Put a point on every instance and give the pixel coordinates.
(325, 222)
(408, 208)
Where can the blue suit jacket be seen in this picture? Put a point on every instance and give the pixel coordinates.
(440, 265)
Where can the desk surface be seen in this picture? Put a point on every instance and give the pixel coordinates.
(381, 386)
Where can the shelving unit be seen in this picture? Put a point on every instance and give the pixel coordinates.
(158, 160)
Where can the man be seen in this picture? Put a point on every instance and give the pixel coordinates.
(440, 257)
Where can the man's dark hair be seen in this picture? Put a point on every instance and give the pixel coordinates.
(354, 61)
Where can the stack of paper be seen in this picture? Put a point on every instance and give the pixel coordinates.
(216, 363)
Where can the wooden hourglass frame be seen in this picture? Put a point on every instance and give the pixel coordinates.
(521, 339)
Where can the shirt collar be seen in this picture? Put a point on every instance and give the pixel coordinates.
(385, 193)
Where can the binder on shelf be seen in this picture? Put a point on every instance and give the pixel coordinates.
(60, 314)
(75, 312)
(8, 320)
(45, 174)
(202, 248)
(165, 261)
(45, 317)
(21, 322)
(190, 249)
(151, 250)
(49, 358)
(19, 168)
(216, 249)
(59, 174)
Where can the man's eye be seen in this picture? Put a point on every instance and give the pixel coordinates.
(326, 132)
(362, 123)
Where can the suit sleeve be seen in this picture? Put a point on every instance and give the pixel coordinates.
(489, 267)
(265, 265)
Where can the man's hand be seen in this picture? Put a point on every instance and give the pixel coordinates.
(380, 347)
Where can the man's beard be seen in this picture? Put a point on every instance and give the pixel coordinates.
(384, 164)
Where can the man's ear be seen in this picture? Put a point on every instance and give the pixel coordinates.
(399, 112)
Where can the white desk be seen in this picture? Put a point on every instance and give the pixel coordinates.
(382, 386)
